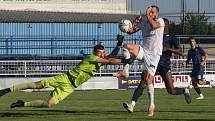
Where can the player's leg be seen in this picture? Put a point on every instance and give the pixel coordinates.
(62, 88)
(150, 63)
(30, 85)
(201, 80)
(129, 50)
(56, 96)
(137, 93)
(167, 78)
(194, 81)
(150, 89)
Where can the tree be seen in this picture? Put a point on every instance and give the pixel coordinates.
(175, 28)
(193, 27)
(211, 29)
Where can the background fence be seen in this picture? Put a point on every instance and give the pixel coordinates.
(45, 68)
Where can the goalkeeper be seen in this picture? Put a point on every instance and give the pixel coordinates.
(64, 84)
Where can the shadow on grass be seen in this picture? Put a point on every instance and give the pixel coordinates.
(186, 111)
(18, 114)
(108, 113)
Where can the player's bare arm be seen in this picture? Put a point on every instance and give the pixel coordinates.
(134, 28)
(177, 50)
(115, 51)
(204, 59)
(109, 61)
(114, 61)
(154, 24)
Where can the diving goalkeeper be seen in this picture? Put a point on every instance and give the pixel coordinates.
(64, 84)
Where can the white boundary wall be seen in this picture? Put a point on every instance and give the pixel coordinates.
(98, 6)
(105, 82)
(93, 83)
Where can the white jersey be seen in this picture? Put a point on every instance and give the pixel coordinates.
(152, 38)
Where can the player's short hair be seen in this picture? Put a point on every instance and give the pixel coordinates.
(98, 47)
(191, 38)
(166, 20)
(155, 6)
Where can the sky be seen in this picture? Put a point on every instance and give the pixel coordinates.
(174, 7)
(70, 38)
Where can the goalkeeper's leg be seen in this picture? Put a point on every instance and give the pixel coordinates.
(35, 103)
(31, 85)
(60, 92)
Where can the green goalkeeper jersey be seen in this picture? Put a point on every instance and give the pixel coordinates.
(85, 69)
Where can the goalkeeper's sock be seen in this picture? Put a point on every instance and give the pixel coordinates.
(30, 85)
(36, 103)
(4, 91)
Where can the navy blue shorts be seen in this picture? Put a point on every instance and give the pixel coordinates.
(162, 70)
(198, 73)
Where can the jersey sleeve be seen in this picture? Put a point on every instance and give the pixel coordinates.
(161, 22)
(139, 25)
(202, 51)
(189, 56)
(175, 42)
(94, 59)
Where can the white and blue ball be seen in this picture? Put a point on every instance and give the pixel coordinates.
(125, 25)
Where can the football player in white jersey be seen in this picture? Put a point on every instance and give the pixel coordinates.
(148, 53)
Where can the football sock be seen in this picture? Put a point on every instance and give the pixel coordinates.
(179, 91)
(133, 103)
(30, 85)
(197, 89)
(127, 56)
(137, 93)
(150, 90)
(4, 91)
(36, 103)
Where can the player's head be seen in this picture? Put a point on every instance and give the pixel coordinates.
(166, 27)
(99, 50)
(192, 41)
(154, 11)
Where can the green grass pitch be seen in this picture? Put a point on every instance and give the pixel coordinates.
(106, 105)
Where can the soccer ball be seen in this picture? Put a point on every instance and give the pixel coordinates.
(125, 25)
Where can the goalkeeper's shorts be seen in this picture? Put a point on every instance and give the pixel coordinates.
(61, 84)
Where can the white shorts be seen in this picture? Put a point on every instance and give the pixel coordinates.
(150, 61)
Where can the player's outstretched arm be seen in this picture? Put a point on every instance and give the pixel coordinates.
(188, 59)
(177, 47)
(114, 61)
(115, 51)
(176, 50)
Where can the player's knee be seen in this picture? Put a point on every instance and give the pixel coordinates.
(51, 103)
(148, 79)
(38, 85)
(201, 82)
(125, 46)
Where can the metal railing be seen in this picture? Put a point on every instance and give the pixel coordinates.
(45, 68)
